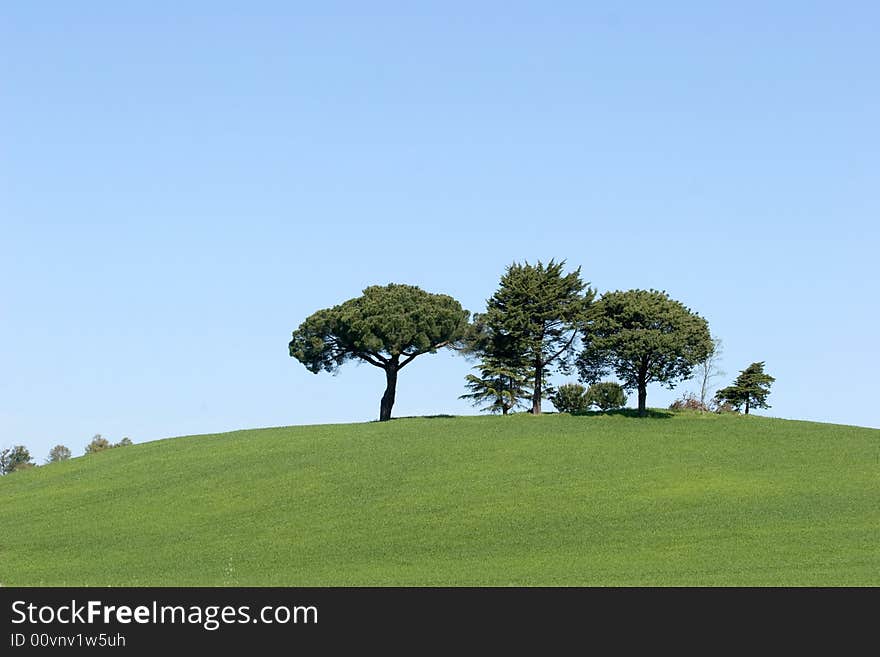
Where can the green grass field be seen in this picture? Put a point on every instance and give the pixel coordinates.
(521, 500)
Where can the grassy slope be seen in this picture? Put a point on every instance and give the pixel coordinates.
(551, 500)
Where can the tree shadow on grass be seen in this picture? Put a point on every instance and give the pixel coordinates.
(650, 413)
(440, 416)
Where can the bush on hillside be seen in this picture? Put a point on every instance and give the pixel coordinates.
(606, 396)
(570, 398)
(15, 458)
(689, 402)
(58, 453)
(725, 407)
(98, 444)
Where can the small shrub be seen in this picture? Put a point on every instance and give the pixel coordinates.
(606, 396)
(726, 407)
(98, 444)
(570, 398)
(688, 402)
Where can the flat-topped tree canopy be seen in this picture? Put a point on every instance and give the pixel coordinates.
(388, 326)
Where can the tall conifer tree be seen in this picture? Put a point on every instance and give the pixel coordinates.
(534, 319)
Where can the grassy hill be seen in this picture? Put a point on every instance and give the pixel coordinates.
(522, 500)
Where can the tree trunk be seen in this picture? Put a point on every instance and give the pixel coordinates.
(390, 388)
(747, 404)
(642, 382)
(704, 388)
(537, 394)
(643, 396)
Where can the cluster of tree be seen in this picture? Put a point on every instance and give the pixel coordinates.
(750, 390)
(18, 457)
(540, 320)
(15, 458)
(99, 444)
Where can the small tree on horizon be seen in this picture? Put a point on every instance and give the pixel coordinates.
(387, 327)
(15, 458)
(58, 453)
(751, 389)
(707, 370)
(98, 444)
(501, 386)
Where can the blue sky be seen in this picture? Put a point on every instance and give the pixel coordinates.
(181, 184)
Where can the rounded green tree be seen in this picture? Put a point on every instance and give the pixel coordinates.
(98, 444)
(606, 396)
(642, 336)
(58, 453)
(570, 398)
